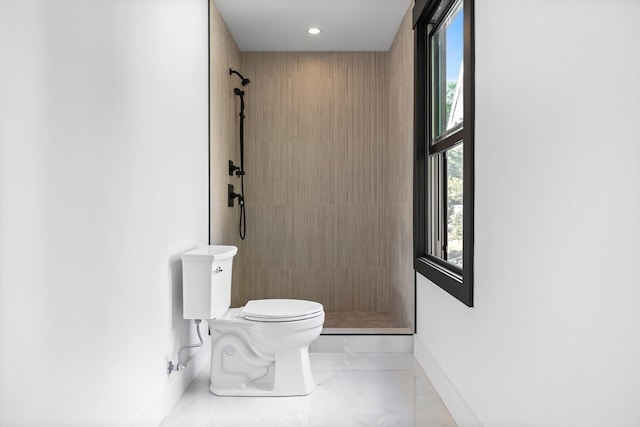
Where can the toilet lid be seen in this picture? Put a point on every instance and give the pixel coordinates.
(280, 310)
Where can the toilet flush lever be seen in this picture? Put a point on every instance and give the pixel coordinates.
(219, 269)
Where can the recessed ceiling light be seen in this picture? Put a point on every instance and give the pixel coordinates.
(313, 30)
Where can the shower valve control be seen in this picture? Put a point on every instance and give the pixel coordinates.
(233, 168)
(232, 195)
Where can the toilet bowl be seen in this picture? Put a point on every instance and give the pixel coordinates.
(261, 349)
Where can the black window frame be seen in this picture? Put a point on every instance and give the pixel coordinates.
(455, 280)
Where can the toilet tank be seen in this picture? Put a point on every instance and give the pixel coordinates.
(206, 281)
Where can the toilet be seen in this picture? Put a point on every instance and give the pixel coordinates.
(261, 349)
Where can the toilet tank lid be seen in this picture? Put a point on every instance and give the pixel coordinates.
(210, 253)
(280, 308)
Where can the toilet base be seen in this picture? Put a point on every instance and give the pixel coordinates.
(252, 358)
(294, 378)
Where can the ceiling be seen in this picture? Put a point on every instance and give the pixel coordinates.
(281, 25)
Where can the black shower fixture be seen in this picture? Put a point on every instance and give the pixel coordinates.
(244, 81)
(239, 170)
(235, 169)
(231, 195)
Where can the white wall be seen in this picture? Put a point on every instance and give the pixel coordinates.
(554, 338)
(103, 183)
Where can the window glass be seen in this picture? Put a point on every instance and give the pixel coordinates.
(447, 47)
(454, 159)
(446, 205)
(435, 195)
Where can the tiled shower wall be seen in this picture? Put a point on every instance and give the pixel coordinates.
(223, 145)
(316, 189)
(400, 173)
(328, 156)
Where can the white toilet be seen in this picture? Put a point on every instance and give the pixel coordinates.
(261, 349)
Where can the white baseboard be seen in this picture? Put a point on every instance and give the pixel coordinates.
(159, 408)
(455, 403)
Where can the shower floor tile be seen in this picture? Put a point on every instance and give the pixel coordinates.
(360, 319)
(354, 389)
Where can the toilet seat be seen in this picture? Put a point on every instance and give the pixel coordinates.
(280, 310)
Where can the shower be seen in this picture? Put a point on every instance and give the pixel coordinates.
(328, 173)
(239, 170)
(244, 81)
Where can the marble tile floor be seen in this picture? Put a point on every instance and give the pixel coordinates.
(354, 390)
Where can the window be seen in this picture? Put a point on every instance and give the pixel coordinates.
(443, 182)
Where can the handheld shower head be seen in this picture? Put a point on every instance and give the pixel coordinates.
(244, 81)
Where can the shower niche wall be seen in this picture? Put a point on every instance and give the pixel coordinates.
(328, 184)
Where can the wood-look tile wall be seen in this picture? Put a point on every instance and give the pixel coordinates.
(224, 143)
(317, 215)
(329, 178)
(399, 159)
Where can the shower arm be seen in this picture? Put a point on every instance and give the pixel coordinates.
(244, 81)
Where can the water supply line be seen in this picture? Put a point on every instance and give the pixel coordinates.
(180, 365)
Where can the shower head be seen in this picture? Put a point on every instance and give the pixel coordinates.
(244, 81)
